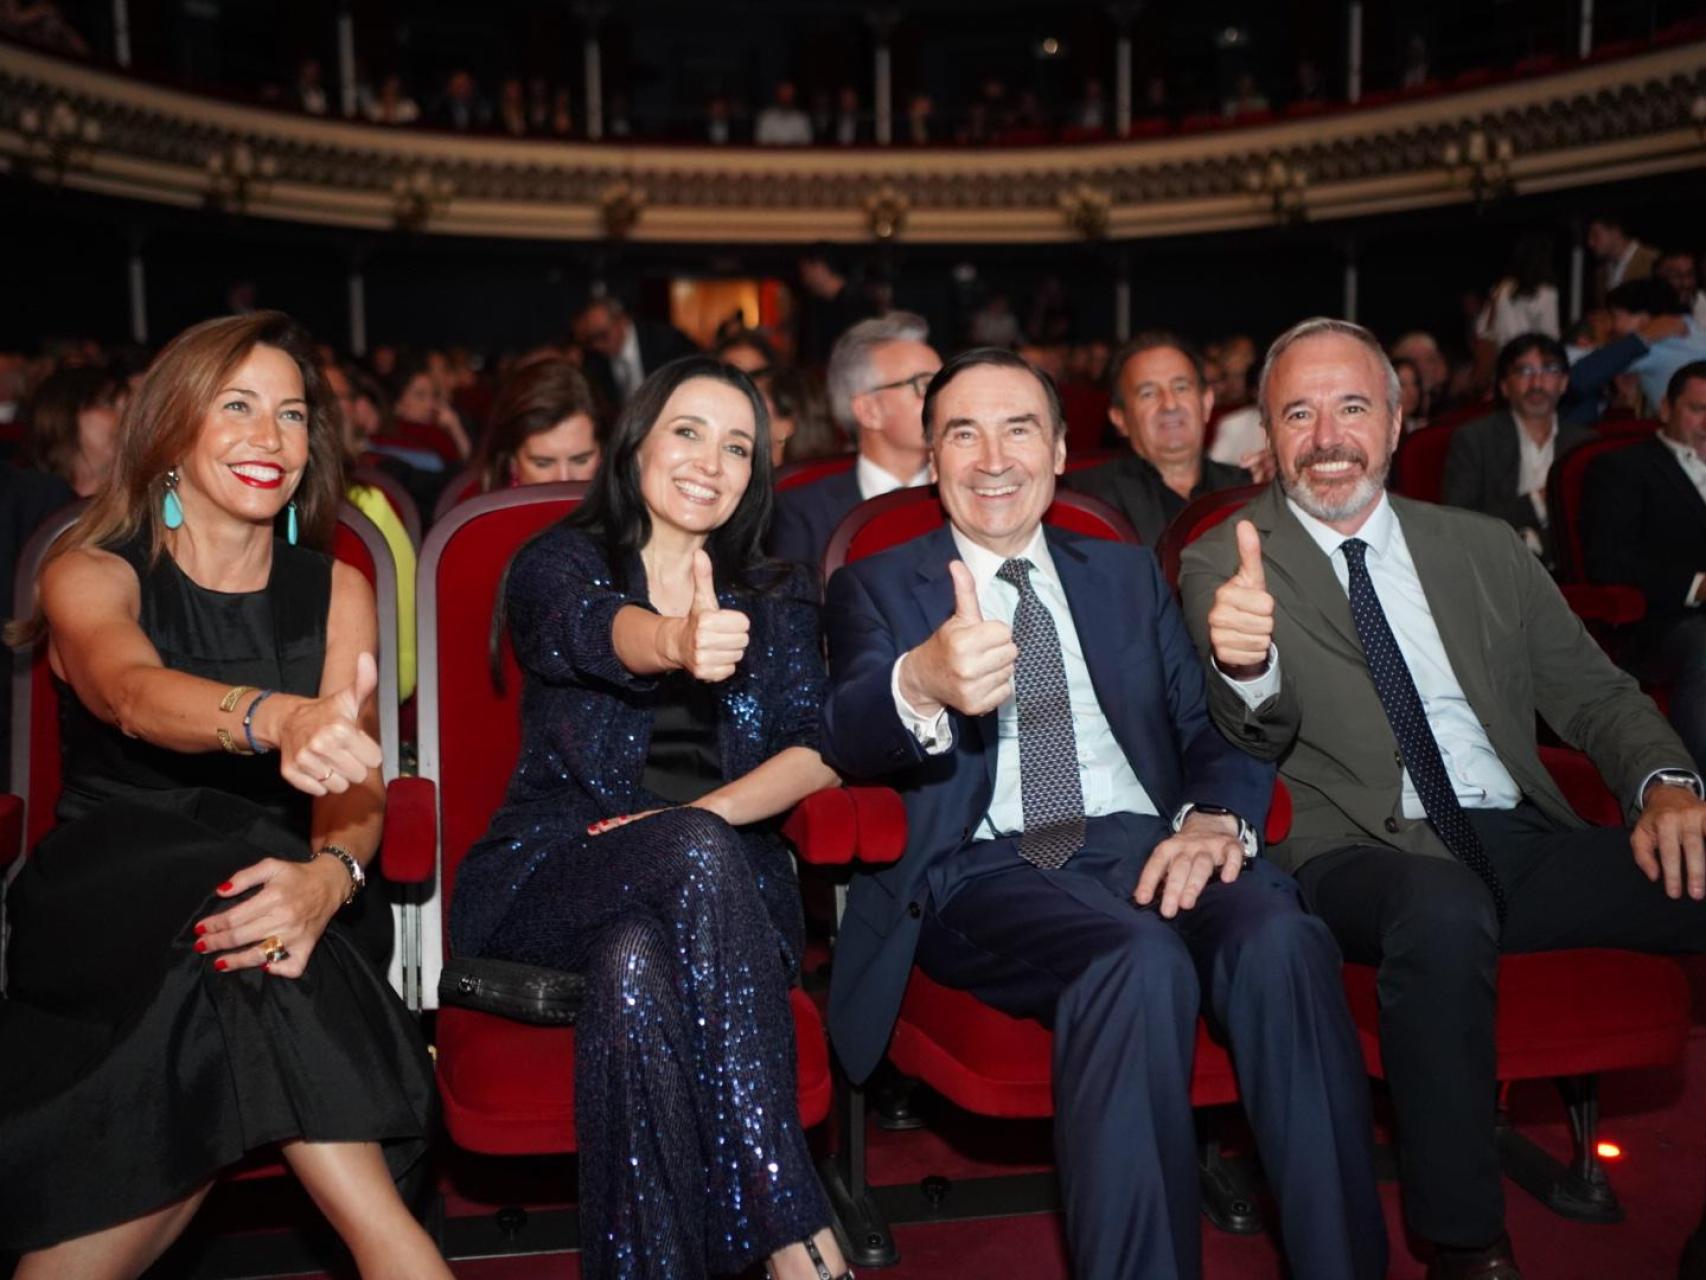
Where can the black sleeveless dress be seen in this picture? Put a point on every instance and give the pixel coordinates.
(130, 1070)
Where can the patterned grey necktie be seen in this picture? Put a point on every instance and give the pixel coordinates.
(1050, 792)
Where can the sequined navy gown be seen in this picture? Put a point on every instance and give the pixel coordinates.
(692, 1159)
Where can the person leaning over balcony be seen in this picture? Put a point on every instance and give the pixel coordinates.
(185, 981)
(670, 714)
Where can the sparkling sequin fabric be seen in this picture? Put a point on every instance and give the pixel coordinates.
(692, 1160)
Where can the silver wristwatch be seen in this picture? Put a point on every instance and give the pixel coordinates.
(357, 876)
(1673, 778)
(1246, 833)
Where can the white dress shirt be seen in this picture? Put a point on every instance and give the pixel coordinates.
(1104, 773)
(1534, 464)
(1694, 467)
(874, 482)
(1478, 777)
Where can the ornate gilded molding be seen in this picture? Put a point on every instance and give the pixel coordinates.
(1600, 122)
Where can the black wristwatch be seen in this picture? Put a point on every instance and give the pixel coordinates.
(1246, 833)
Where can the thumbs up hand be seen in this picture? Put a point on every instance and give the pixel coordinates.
(1241, 619)
(321, 744)
(710, 641)
(966, 664)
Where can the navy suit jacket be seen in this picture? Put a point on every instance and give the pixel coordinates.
(805, 517)
(1148, 680)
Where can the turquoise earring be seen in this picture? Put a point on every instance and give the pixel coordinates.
(290, 523)
(171, 510)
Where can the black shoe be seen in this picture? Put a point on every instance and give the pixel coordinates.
(1495, 1262)
(1693, 1263)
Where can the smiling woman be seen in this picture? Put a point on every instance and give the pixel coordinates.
(674, 678)
(186, 982)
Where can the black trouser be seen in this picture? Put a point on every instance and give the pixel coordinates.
(1430, 926)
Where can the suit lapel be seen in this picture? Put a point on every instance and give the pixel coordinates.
(1689, 500)
(934, 592)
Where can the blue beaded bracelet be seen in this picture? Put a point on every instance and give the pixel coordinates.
(249, 722)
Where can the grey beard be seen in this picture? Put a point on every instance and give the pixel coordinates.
(1358, 500)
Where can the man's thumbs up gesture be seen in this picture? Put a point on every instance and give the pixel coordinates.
(967, 664)
(710, 640)
(1241, 620)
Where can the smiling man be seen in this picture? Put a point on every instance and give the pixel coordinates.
(1082, 850)
(1392, 656)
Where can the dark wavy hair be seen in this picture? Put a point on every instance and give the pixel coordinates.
(535, 397)
(615, 512)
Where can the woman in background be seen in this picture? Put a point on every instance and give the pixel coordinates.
(544, 427)
(73, 426)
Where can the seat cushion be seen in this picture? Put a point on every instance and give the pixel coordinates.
(1565, 1012)
(509, 1088)
(993, 1064)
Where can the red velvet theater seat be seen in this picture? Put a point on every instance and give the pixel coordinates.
(792, 475)
(1197, 518)
(508, 1087)
(1418, 466)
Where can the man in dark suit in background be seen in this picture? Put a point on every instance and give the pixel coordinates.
(877, 375)
(1391, 656)
(1081, 850)
(1498, 464)
(1644, 523)
(1161, 403)
(621, 352)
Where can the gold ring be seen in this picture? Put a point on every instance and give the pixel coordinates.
(272, 950)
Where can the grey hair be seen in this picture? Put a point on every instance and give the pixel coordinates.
(850, 361)
(1314, 327)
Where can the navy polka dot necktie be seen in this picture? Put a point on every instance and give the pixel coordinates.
(1050, 790)
(1409, 721)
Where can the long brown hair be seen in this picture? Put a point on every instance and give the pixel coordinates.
(54, 439)
(536, 396)
(164, 418)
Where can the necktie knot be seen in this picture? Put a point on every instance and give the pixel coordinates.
(1356, 550)
(1017, 571)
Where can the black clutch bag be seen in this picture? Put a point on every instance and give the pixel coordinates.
(525, 992)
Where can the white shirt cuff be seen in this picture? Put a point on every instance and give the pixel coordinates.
(934, 733)
(1695, 596)
(1257, 689)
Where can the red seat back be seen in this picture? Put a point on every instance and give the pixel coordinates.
(1418, 467)
(1091, 458)
(792, 475)
(1564, 489)
(470, 728)
(903, 515)
(1199, 516)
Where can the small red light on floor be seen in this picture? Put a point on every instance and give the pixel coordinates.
(1608, 1151)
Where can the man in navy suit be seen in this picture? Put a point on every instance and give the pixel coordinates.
(877, 375)
(1081, 850)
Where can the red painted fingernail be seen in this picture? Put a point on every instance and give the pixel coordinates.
(219, 964)
(226, 887)
(200, 929)
(201, 945)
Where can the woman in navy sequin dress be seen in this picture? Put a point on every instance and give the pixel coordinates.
(669, 716)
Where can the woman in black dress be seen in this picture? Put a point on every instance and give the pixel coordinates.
(670, 715)
(179, 992)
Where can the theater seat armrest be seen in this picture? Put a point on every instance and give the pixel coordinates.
(1582, 786)
(882, 824)
(11, 830)
(823, 828)
(409, 850)
(1611, 604)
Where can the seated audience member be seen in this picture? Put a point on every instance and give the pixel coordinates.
(621, 352)
(1391, 656)
(1656, 331)
(1412, 399)
(73, 426)
(420, 398)
(309, 92)
(1644, 523)
(830, 303)
(222, 792)
(635, 845)
(544, 427)
(1525, 300)
(392, 104)
(1160, 404)
(1498, 464)
(782, 123)
(1423, 351)
(877, 375)
(373, 503)
(800, 416)
(1110, 900)
(1679, 270)
(1615, 339)
(460, 105)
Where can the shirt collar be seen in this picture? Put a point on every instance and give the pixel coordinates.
(1527, 441)
(874, 482)
(1376, 531)
(1681, 450)
(984, 563)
